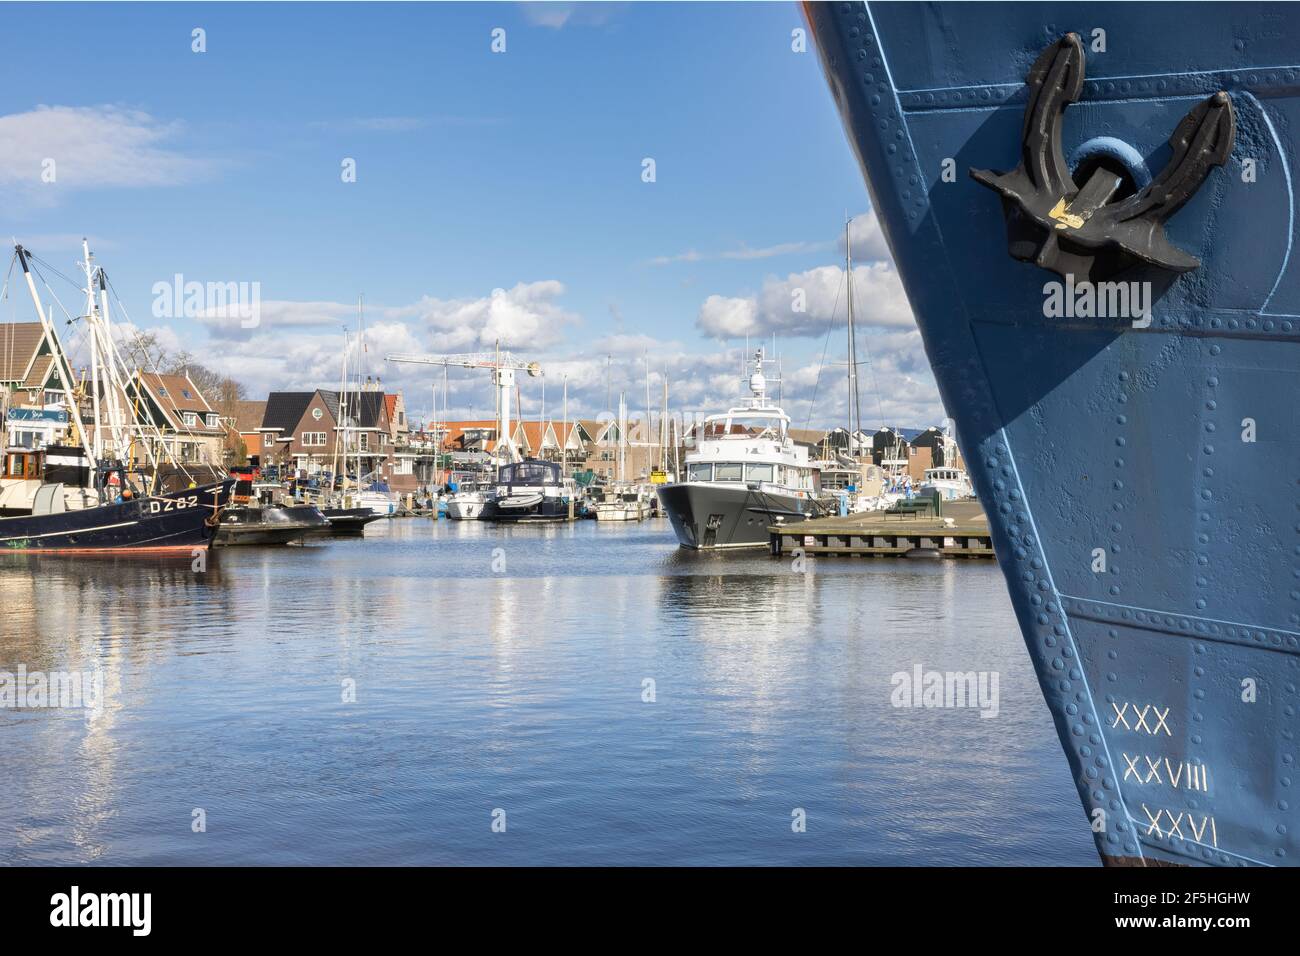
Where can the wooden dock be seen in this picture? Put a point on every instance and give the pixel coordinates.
(961, 531)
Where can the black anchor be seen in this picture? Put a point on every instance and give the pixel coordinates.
(1078, 231)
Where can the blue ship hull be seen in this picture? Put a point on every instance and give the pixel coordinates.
(178, 521)
(1142, 477)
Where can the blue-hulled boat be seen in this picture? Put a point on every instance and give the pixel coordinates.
(1092, 208)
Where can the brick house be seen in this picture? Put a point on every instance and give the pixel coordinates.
(304, 432)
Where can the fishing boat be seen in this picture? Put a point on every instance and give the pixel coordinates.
(1092, 210)
(952, 484)
(743, 475)
(85, 496)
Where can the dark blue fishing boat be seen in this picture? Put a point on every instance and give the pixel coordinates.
(1092, 209)
(178, 521)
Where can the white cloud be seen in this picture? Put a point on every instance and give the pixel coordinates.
(525, 316)
(867, 237)
(558, 15)
(878, 299)
(690, 255)
(91, 147)
(744, 253)
(767, 252)
(633, 344)
(728, 317)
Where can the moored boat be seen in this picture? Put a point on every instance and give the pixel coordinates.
(1113, 340)
(744, 475)
(530, 490)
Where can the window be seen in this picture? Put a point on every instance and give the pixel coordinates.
(214, 420)
(191, 419)
(759, 472)
(363, 441)
(728, 471)
(268, 440)
(700, 472)
(186, 393)
(313, 439)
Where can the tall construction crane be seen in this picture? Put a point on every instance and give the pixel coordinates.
(503, 366)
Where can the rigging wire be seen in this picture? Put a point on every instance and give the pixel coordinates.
(830, 327)
(875, 384)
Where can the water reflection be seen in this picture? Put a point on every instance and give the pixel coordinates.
(508, 668)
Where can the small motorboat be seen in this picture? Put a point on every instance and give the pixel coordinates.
(349, 520)
(269, 524)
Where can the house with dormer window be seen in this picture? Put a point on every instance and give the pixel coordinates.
(188, 429)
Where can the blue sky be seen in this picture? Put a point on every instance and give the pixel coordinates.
(475, 171)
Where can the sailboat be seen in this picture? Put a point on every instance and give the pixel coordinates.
(349, 510)
(623, 500)
(85, 496)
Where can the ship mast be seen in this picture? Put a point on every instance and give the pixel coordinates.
(60, 360)
(855, 404)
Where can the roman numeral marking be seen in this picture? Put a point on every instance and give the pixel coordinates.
(1181, 775)
(1175, 825)
(1161, 718)
(1119, 715)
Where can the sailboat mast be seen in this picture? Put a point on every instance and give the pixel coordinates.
(855, 406)
(338, 424)
(98, 441)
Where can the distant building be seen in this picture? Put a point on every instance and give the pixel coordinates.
(32, 396)
(316, 432)
(242, 429)
(943, 450)
(189, 430)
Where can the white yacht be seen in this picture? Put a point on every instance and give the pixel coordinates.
(626, 502)
(744, 474)
(377, 498)
(466, 503)
(951, 483)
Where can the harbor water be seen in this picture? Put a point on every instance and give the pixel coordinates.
(462, 693)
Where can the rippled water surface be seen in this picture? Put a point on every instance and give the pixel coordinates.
(505, 669)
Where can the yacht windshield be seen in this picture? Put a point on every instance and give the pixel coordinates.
(529, 473)
(744, 426)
